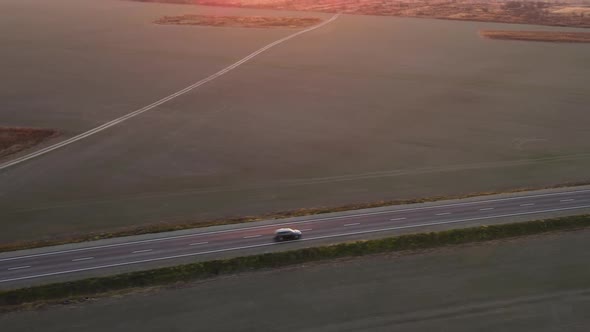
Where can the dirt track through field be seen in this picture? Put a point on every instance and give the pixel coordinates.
(160, 102)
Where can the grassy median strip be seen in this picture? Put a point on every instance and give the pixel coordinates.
(201, 270)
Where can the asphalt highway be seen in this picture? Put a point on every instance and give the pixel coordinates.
(47, 264)
(537, 283)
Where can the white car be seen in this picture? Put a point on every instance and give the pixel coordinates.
(283, 234)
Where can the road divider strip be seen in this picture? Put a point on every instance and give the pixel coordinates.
(11, 299)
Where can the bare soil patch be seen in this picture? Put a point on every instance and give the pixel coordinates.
(573, 13)
(543, 36)
(240, 21)
(13, 140)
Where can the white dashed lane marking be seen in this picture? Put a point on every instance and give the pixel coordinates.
(353, 224)
(198, 243)
(140, 251)
(527, 204)
(400, 218)
(326, 219)
(19, 267)
(369, 231)
(567, 200)
(486, 209)
(252, 236)
(82, 259)
(443, 213)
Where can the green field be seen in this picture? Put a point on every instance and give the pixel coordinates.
(365, 109)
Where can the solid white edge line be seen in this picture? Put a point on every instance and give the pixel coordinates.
(137, 262)
(282, 243)
(161, 101)
(290, 223)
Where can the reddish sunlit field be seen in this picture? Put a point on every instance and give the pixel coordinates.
(239, 21)
(575, 13)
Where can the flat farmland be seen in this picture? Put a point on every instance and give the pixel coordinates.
(573, 13)
(364, 109)
(528, 284)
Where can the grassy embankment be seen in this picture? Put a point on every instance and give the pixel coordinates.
(539, 36)
(240, 21)
(9, 300)
(13, 140)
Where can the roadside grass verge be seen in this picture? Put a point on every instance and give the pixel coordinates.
(177, 226)
(13, 299)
